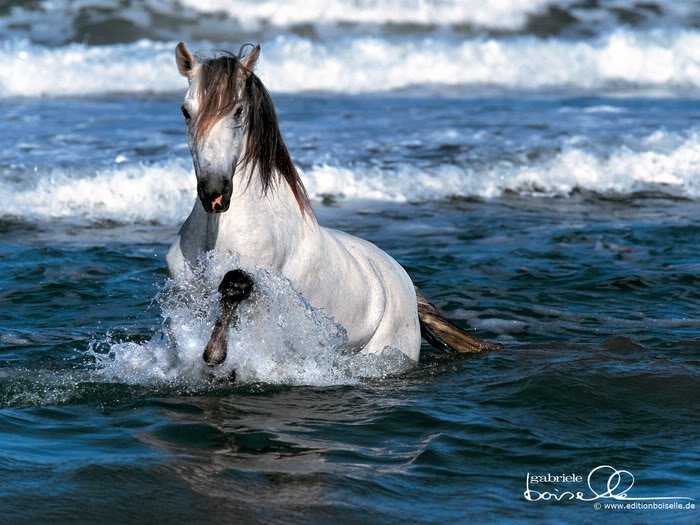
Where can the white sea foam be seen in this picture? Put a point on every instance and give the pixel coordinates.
(126, 193)
(165, 192)
(662, 60)
(650, 59)
(30, 70)
(663, 161)
(278, 339)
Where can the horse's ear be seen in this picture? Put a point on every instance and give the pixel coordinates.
(185, 60)
(251, 58)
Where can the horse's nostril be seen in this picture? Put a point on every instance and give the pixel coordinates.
(218, 203)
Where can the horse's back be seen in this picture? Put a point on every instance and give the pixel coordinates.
(391, 275)
(385, 279)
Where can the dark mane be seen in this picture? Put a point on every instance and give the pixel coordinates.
(265, 147)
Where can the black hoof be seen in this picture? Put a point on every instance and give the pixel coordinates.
(236, 286)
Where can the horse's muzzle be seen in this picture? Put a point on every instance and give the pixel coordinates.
(214, 201)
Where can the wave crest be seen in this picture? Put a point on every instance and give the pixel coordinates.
(663, 161)
(630, 61)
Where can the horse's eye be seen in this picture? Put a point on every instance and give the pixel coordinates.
(238, 112)
(185, 113)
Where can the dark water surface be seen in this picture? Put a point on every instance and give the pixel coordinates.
(600, 366)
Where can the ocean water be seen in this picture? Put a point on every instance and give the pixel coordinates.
(534, 165)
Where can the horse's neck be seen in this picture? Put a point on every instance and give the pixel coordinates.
(264, 228)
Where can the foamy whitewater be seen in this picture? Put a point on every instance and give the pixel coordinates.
(623, 60)
(661, 161)
(64, 48)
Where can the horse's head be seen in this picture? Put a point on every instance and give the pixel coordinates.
(232, 124)
(216, 109)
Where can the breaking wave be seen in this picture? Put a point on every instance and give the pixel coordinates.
(663, 161)
(623, 60)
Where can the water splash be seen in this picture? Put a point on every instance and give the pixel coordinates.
(279, 339)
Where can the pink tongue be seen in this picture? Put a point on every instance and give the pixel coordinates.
(219, 201)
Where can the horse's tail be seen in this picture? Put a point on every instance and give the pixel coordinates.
(441, 333)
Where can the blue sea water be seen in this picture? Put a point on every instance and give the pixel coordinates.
(551, 206)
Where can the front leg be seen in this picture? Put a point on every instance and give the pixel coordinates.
(235, 286)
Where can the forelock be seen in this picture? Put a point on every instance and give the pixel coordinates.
(218, 91)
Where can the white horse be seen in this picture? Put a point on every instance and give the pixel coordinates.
(252, 203)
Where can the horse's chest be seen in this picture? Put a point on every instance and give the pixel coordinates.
(256, 245)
